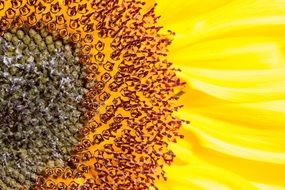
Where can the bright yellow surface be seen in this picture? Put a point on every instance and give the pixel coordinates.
(231, 53)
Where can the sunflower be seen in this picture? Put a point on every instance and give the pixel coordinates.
(89, 95)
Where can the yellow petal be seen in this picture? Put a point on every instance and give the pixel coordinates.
(241, 53)
(178, 11)
(231, 54)
(260, 92)
(235, 18)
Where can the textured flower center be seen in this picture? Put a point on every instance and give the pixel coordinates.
(41, 89)
(128, 107)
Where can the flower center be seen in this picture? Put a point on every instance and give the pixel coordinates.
(41, 88)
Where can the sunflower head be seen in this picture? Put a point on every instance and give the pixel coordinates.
(93, 105)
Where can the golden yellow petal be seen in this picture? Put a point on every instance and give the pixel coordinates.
(179, 11)
(238, 18)
(231, 54)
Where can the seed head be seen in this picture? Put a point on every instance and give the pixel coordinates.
(40, 109)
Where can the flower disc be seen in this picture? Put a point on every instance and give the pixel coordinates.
(131, 97)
